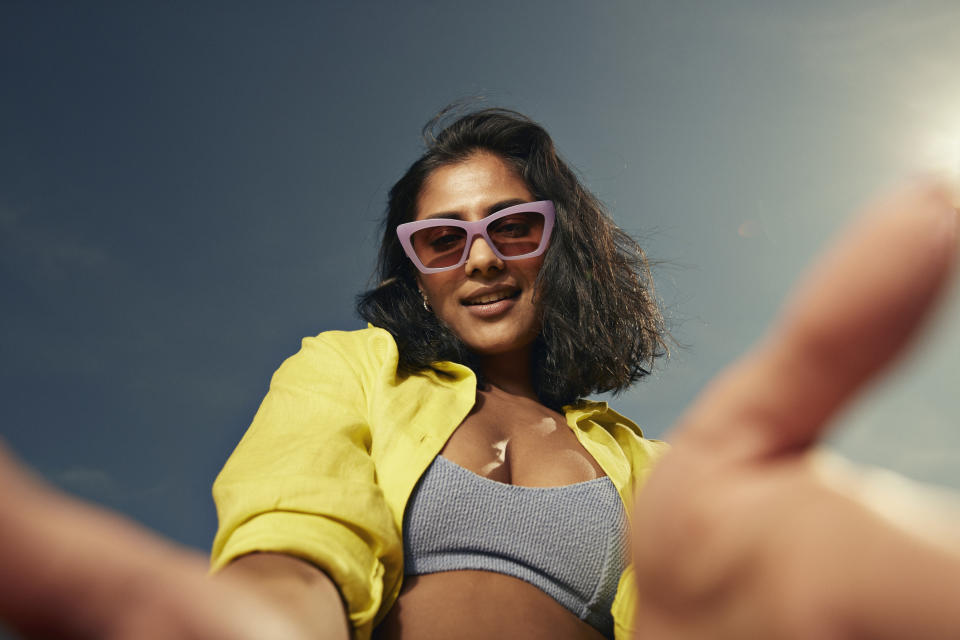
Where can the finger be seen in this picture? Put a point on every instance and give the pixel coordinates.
(847, 319)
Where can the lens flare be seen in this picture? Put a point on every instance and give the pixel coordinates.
(937, 148)
(942, 153)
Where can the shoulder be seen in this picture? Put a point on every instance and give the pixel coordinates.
(588, 414)
(371, 344)
(363, 352)
(603, 415)
(600, 414)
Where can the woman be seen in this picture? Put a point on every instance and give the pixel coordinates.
(440, 467)
(738, 534)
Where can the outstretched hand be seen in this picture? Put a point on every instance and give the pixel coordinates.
(72, 570)
(739, 533)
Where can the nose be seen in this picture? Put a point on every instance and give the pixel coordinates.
(481, 259)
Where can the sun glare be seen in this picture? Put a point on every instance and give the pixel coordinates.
(943, 154)
(938, 150)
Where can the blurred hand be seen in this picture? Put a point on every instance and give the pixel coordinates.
(740, 533)
(184, 603)
(71, 570)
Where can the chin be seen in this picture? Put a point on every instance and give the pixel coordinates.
(490, 350)
(499, 345)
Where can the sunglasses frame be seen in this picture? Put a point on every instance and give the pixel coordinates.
(406, 230)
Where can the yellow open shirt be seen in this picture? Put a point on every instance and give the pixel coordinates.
(337, 446)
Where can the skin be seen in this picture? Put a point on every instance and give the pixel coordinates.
(75, 571)
(472, 190)
(739, 532)
(742, 531)
(509, 436)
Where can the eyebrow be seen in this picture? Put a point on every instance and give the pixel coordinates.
(503, 204)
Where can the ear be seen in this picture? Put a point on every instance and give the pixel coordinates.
(423, 294)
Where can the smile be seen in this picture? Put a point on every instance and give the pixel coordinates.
(491, 298)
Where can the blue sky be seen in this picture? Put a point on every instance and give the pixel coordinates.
(187, 189)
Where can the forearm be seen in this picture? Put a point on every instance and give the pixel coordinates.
(73, 570)
(66, 564)
(295, 587)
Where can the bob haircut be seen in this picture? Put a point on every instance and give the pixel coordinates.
(601, 326)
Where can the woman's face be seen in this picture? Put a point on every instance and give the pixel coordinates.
(487, 302)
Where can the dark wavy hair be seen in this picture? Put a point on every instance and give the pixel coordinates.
(601, 326)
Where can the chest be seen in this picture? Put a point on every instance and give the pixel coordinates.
(518, 441)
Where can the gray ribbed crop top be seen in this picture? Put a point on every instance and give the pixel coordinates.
(568, 541)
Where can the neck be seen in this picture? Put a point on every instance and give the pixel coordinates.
(511, 372)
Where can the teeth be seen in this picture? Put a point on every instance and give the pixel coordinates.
(493, 297)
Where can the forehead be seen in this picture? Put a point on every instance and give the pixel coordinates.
(470, 187)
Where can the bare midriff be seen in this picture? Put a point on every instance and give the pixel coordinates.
(475, 605)
(515, 441)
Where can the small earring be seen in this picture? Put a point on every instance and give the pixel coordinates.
(426, 305)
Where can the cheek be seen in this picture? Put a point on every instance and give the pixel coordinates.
(438, 287)
(532, 270)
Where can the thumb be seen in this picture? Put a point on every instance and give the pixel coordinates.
(848, 318)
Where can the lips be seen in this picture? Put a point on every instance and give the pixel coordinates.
(490, 296)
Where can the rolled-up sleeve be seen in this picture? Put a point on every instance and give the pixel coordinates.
(302, 482)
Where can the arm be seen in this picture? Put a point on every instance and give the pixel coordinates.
(72, 570)
(295, 587)
(740, 532)
(302, 484)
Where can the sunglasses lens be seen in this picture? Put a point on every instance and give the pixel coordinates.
(517, 234)
(514, 236)
(439, 246)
